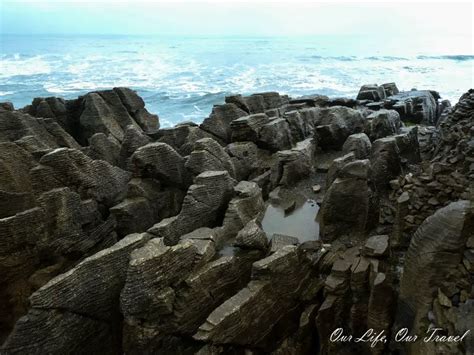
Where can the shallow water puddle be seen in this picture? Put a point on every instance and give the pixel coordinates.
(300, 223)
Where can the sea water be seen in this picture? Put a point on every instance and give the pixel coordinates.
(181, 78)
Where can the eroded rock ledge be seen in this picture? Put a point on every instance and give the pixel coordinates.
(117, 236)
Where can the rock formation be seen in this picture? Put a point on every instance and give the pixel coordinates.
(118, 236)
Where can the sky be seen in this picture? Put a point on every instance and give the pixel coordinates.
(236, 18)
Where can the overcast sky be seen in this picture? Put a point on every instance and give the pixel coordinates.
(258, 18)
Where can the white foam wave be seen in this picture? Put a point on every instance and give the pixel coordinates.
(29, 66)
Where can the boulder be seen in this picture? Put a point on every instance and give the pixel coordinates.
(432, 263)
(336, 167)
(385, 162)
(104, 113)
(46, 134)
(359, 144)
(371, 92)
(376, 246)
(275, 135)
(219, 122)
(383, 123)
(248, 128)
(81, 302)
(345, 208)
(135, 106)
(390, 89)
(94, 179)
(268, 302)
(16, 188)
(183, 137)
(418, 106)
(249, 160)
(279, 241)
(335, 124)
(293, 165)
(203, 206)
(7, 106)
(160, 161)
(104, 148)
(209, 155)
(252, 237)
(133, 139)
(246, 205)
(408, 145)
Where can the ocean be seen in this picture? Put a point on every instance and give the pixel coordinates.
(181, 78)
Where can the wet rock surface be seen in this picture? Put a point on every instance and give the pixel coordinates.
(262, 230)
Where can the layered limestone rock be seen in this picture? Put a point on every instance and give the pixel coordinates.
(434, 263)
(183, 136)
(348, 205)
(247, 204)
(151, 240)
(383, 123)
(67, 310)
(267, 302)
(209, 155)
(294, 164)
(94, 179)
(202, 206)
(220, 120)
(161, 162)
(359, 144)
(335, 124)
(108, 112)
(417, 106)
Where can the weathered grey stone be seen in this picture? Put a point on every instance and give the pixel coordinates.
(183, 137)
(359, 169)
(249, 160)
(345, 209)
(278, 241)
(376, 246)
(432, 261)
(336, 167)
(277, 282)
(135, 106)
(371, 92)
(359, 144)
(82, 301)
(95, 179)
(275, 135)
(209, 155)
(153, 269)
(104, 113)
(16, 187)
(390, 89)
(385, 162)
(58, 331)
(160, 161)
(335, 124)
(293, 165)
(383, 123)
(132, 140)
(251, 237)
(248, 128)
(16, 126)
(418, 106)
(202, 206)
(245, 206)
(220, 120)
(104, 148)
(408, 146)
